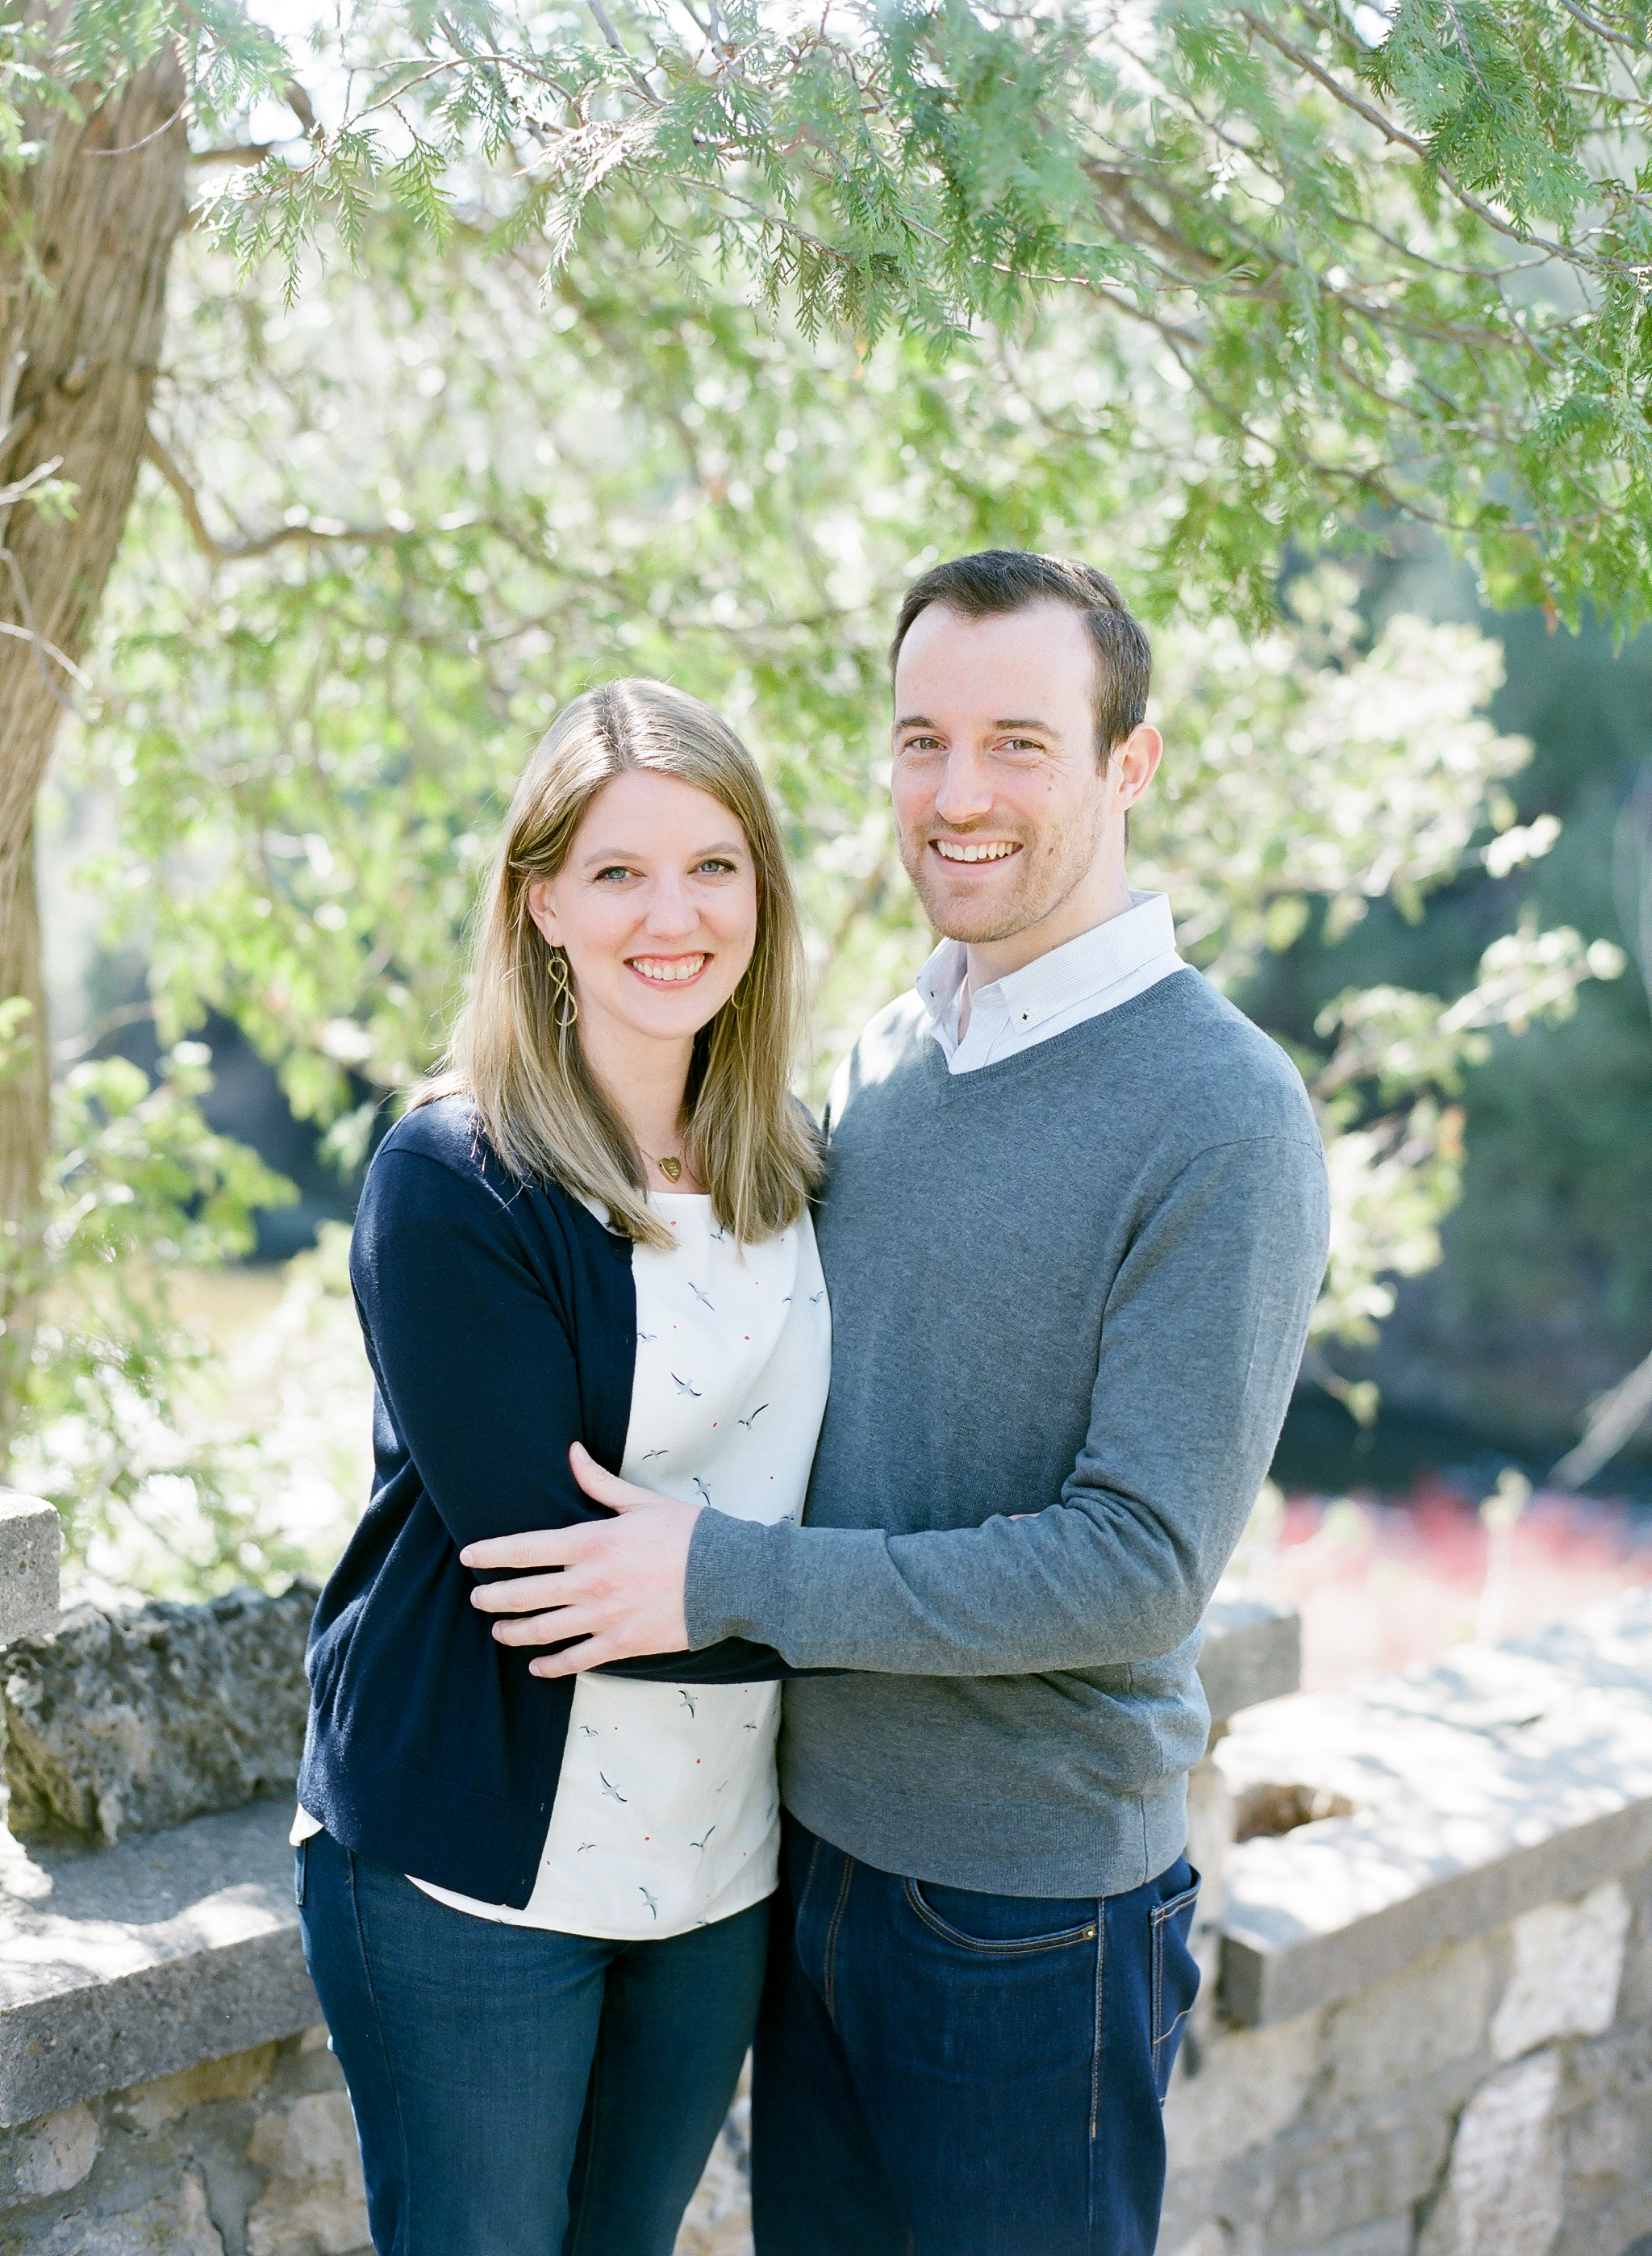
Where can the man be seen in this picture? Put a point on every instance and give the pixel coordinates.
(1074, 1222)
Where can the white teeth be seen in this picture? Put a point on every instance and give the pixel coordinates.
(667, 973)
(953, 850)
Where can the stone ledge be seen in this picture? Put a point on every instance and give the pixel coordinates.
(30, 1545)
(1495, 1780)
(1252, 1651)
(120, 1965)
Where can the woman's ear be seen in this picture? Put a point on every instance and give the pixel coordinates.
(539, 908)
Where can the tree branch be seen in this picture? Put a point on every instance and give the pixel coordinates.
(231, 552)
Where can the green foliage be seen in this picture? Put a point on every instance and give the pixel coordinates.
(313, 745)
(141, 1189)
(1370, 264)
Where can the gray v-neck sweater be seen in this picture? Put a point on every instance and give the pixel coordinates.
(1076, 1285)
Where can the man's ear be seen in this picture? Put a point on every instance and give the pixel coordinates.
(1134, 764)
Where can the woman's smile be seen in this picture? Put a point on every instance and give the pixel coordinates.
(668, 970)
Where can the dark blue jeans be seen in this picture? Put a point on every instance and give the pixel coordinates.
(940, 2073)
(519, 2092)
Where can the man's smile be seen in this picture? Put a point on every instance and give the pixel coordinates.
(976, 850)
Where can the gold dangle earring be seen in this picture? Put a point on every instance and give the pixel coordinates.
(565, 1004)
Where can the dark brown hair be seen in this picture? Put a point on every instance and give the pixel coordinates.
(998, 581)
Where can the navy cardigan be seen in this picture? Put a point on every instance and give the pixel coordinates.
(500, 1319)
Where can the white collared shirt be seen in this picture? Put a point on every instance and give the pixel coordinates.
(1108, 965)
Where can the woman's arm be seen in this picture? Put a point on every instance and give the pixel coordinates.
(477, 1373)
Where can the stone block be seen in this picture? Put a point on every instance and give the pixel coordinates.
(49, 2155)
(147, 2106)
(1568, 1962)
(1358, 2173)
(135, 1718)
(120, 1967)
(316, 2203)
(1494, 1781)
(177, 2222)
(1503, 2191)
(1251, 2083)
(31, 1546)
(1409, 2027)
(1252, 1653)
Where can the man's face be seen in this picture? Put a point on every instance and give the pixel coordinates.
(1001, 806)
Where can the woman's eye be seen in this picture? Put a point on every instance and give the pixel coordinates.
(715, 868)
(617, 869)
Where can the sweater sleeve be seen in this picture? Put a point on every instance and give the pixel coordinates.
(1201, 1343)
(477, 1373)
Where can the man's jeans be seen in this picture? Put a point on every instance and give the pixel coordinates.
(519, 2092)
(940, 2073)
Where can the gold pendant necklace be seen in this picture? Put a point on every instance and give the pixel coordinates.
(671, 1169)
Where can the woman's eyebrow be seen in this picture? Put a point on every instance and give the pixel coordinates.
(598, 856)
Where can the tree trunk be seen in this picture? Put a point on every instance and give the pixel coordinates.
(85, 238)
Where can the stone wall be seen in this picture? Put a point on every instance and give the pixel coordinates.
(1492, 2099)
(1426, 2029)
(252, 2155)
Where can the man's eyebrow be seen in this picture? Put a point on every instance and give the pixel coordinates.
(914, 720)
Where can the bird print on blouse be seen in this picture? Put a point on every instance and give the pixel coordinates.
(666, 1817)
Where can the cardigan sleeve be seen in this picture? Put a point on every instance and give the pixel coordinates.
(477, 1373)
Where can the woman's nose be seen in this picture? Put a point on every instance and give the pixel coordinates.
(672, 911)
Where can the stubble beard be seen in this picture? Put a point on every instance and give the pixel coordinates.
(1048, 869)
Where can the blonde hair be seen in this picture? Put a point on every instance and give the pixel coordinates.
(514, 1052)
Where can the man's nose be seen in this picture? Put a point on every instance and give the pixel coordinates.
(965, 793)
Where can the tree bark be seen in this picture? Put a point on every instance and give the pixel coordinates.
(86, 234)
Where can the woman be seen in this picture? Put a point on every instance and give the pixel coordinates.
(534, 1910)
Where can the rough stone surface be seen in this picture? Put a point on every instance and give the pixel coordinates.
(315, 2203)
(1414, 2024)
(1568, 1963)
(1503, 2188)
(130, 1720)
(1494, 1781)
(1249, 2087)
(175, 2223)
(254, 2155)
(30, 1545)
(51, 2155)
(1252, 1651)
(147, 1959)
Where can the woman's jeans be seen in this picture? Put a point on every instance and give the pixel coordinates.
(942, 2073)
(519, 2092)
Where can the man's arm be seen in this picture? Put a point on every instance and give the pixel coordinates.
(1200, 1344)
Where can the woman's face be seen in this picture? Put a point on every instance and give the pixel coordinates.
(656, 906)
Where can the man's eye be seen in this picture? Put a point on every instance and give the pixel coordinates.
(1024, 744)
(921, 744)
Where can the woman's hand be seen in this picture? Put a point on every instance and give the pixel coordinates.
(619, 1584)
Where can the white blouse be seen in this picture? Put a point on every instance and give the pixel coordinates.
(666, 1814)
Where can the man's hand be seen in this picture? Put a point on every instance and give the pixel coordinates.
(620, 1584)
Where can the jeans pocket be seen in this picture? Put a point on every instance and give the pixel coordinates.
(300, 1872)
(1007, 1915)
(1174, 1976)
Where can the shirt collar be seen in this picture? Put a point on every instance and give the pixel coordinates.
(1071, 973)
